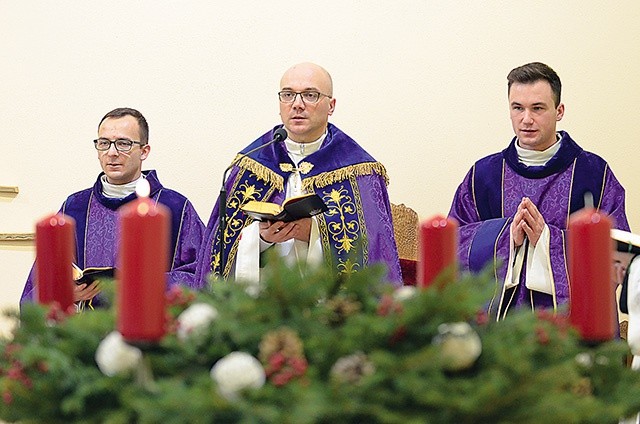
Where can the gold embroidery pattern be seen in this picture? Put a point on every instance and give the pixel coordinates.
(215, 258)
(303, 167)
(345, 227)
(240, 196)
(242, 192)
(324, 239)
(348, 266)
(344, 231)
(363, 224)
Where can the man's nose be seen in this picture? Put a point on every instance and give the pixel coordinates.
(527, 117)
(298, 102)
(112, 151)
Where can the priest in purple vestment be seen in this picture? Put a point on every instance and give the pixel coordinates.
(316, 157)
(513, 206)
(122, 146)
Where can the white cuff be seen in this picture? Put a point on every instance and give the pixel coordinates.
(633, 304)
(539, 273)
(248, 254)
(314, 255)
(516, 259)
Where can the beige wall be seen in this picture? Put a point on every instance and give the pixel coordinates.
(421, 84)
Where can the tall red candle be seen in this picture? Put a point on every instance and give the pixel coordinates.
(437, 251)
(55, 247)
(143, 260)
(592, 301)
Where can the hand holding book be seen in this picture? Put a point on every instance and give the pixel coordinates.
(292, 209)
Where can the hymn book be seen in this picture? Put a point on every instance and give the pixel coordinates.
(292, 209)
(91, 274)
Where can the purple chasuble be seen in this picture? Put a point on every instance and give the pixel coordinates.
(339, 170)
(96, 232)
(487, 200)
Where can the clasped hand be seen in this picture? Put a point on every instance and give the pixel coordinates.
(278, 231)
(527, 222)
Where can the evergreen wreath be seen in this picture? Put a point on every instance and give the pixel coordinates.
(316, 349)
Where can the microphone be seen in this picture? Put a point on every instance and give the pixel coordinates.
(278, 135)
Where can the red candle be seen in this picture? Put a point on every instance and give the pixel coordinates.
(437, 251)
(143, 259)
(592, 301)
(55, 247)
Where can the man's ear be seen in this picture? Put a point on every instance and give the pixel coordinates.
(332, 106)
(560, 111)
(146, 149)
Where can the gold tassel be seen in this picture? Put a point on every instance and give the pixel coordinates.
(260, 171)
(327, 178)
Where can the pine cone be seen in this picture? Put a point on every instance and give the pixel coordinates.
(340, 308)
(350, 369)
(284, 341)
(583, 387)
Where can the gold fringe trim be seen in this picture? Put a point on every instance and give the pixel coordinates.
(260, 171)
(327, 178)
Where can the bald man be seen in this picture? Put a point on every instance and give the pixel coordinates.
(316, 157)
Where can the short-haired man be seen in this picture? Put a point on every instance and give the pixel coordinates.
(513, 206)
(316, 157)
(122, 145)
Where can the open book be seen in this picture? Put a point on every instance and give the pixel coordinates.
(292, 209)
(626, 241)
(90, 274)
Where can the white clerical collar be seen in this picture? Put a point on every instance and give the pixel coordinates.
(121, 191)
(536, 158)
(299, 151)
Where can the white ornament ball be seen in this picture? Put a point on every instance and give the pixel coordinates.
(115, 356)
(405, 292)
(237, 371)
(460, 346)
(195, 319)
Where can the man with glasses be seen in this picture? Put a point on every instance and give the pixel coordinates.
(316, 157)
(122, 145)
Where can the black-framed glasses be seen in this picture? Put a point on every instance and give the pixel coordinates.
(288, 96)
(122, 144)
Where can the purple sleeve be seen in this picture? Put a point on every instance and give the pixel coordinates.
(377, 213)
(28, 293)
(183, 269)
(480, 242)
(613, 201)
